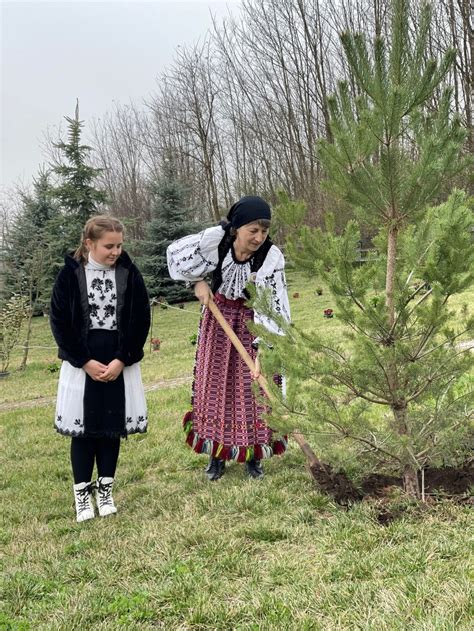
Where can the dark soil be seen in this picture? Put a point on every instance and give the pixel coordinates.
(449, 480)
(336, 484)
(445, 482)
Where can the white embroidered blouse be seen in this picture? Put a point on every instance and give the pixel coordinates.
(102, 295)
(194, 257)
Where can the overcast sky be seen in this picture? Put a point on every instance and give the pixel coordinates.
(99, 52)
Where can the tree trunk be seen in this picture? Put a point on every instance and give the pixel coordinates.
(399, 410)
(311, 457)
(26, 347)
(410, 481)
(468, 53)
(390, 277)
(409, 474)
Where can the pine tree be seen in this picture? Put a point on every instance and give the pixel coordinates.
(394, 389)
(171, 219)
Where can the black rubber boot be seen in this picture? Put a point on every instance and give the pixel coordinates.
(254, 468)
(215, 469)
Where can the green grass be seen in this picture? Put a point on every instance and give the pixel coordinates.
(183, 553)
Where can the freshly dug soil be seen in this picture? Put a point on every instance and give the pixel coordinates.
(447, 481)
(336, 484)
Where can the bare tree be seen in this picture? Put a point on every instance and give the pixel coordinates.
(275, 67)
(120, 154)
(242, 110)
(192, 111)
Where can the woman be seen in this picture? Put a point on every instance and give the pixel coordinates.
(226, 420)
(100, 316)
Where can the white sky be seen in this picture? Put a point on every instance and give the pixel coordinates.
(99, 52)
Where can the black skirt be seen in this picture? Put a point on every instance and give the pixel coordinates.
(104, 403)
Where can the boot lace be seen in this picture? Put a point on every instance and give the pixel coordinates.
(105, 493)
(83, 497)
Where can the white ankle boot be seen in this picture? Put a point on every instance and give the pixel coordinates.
(105, 501)
(82, 498)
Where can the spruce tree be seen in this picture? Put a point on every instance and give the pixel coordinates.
(28, 246)
(394, 388)
(76, 192)
(171, 219)
(30, 256)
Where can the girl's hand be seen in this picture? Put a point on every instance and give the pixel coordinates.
(113, 370)
(203, 292)
(95, 369)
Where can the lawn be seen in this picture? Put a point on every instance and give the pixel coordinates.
(184, 553)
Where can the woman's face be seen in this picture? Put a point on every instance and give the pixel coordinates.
(251, 236)
(107, 249)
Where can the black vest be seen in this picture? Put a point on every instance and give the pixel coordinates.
(256, 261)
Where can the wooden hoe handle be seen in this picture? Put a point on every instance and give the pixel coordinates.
(299, 438)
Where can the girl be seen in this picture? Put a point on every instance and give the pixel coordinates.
(226, 420)
(100, 316)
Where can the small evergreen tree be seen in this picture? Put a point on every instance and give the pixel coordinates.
(29, 237)
(76, 193)
(29, 255)
(395, 387)
(171, 219)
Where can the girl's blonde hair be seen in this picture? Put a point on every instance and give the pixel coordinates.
(94, 230)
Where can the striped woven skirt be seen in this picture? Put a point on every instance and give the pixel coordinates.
(226, 420)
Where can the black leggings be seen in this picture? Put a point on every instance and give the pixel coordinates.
(85, 450)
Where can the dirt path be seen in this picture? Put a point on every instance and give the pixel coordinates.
(42, 401)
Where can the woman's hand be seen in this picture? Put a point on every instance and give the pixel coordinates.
(257, 372)
(203, 292)
(95, 369)
(113, 370)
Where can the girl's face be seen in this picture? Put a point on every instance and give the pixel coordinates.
(251, 236)
(107, 249)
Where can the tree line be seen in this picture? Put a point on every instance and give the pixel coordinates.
(243, 110)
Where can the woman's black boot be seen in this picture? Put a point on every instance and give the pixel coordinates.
(254, 468)
(215, 469)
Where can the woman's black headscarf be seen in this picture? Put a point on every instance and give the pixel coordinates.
(247, 209)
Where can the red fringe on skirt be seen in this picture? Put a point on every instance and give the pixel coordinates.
(239, 454)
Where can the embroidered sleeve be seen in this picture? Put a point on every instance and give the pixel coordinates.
(192, 258)
(271, 276)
